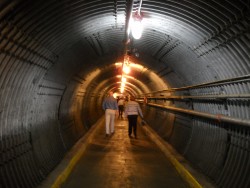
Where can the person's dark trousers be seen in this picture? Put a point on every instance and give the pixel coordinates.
(120, 107)
(132, 123)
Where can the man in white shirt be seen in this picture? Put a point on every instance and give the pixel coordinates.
(110, 106)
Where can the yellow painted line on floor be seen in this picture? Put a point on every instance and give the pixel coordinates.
(81, 147)
(185, 174)
(64, 175)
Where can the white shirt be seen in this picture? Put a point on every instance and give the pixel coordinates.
(133, 108)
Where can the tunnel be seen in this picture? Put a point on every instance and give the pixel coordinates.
(190, 72)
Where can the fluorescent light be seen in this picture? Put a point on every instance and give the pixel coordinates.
(136, 26)
(137, 29)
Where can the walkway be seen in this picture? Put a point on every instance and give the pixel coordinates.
(123, 162)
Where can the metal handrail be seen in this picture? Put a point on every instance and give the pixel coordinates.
(216, 83)
(217, 117)
(201, 97)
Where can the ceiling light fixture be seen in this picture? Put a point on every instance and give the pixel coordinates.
(124, 79)
(133, 24)
(136, 25)
(126, 69)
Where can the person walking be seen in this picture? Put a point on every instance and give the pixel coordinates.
(121, 107)
(110, 106)
(132, 110)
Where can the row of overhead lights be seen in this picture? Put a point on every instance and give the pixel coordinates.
(125, 71)
(136, 28)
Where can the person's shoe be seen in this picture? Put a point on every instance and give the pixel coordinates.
(107, 135)
(130, 136)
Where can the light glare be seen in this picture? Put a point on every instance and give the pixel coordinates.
(124, 79)
(137, 28)
(126, 69)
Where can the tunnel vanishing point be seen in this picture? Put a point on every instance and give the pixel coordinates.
(190, 70)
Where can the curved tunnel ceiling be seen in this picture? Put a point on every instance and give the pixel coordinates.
(181, 39)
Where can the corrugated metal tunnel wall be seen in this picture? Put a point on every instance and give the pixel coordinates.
(58, 60)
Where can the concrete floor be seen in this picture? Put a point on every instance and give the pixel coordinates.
(122, 162)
